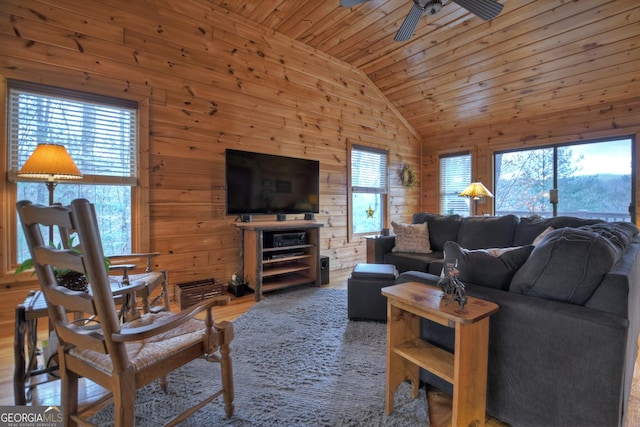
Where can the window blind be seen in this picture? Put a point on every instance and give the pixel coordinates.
(368, 170)
(455, 176)
(100, 137)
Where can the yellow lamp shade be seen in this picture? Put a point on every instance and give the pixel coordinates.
(475, 190)
(51, 162)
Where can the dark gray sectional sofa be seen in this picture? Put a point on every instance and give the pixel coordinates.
(563, 345)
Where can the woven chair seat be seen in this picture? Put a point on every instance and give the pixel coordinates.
(146, 353)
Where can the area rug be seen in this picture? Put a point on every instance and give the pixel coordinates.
(298, 361)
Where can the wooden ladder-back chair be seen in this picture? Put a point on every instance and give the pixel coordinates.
(151, 291)
(119, 357)
(155, 295)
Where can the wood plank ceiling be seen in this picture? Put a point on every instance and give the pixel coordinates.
(536, 57)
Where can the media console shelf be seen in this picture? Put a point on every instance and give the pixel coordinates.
(279, 254)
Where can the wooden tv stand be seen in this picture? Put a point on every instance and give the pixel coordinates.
(267, 265)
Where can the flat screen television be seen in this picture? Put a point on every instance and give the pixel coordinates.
(269, 184)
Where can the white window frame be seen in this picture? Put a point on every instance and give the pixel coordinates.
(140, 240)
(455, 176)
(381, 186)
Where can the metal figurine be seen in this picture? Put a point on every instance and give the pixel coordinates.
(452, 286)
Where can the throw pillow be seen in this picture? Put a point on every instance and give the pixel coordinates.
(542, 235)
(411, 238)
(568, 265)
(492, 268)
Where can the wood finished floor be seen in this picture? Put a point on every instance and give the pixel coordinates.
(49, 393)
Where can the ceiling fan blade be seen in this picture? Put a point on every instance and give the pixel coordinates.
(485, 9)
(409, 24)
(350, 3)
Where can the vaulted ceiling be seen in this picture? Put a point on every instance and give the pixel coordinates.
(536, 57)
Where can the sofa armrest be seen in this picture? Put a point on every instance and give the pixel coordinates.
(378, 246)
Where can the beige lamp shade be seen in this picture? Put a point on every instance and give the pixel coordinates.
(475, 190)
(50, 162)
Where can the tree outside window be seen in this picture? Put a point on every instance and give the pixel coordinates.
(593, 180)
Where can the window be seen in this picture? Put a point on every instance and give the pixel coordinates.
(592, 180)
(368, 190)
(455, 176)
(100, 134)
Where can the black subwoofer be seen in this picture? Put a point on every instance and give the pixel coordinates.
(324, 270)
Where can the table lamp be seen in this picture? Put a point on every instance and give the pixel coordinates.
(475, 191)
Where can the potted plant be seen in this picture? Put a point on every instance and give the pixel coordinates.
(70, 279)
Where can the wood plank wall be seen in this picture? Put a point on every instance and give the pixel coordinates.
(212, 81)
(601, 121)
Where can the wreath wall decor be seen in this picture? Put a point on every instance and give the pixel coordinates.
(408, 176)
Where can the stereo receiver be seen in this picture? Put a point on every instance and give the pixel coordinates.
(279, 240)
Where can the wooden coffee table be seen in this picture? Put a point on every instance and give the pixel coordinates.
(465, 369)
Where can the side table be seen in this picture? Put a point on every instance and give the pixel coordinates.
(371, 248)
(27, 314)
(465, 369)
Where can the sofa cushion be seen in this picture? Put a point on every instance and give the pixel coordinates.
(493, 268)
(442, 228)
(528, 228)
(567, 265)
(412, 238)
(479, 232)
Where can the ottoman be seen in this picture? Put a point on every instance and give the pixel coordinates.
(364, 298)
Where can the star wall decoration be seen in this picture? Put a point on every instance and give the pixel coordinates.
(370, 212)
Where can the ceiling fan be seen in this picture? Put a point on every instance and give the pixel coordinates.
(485, 9)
